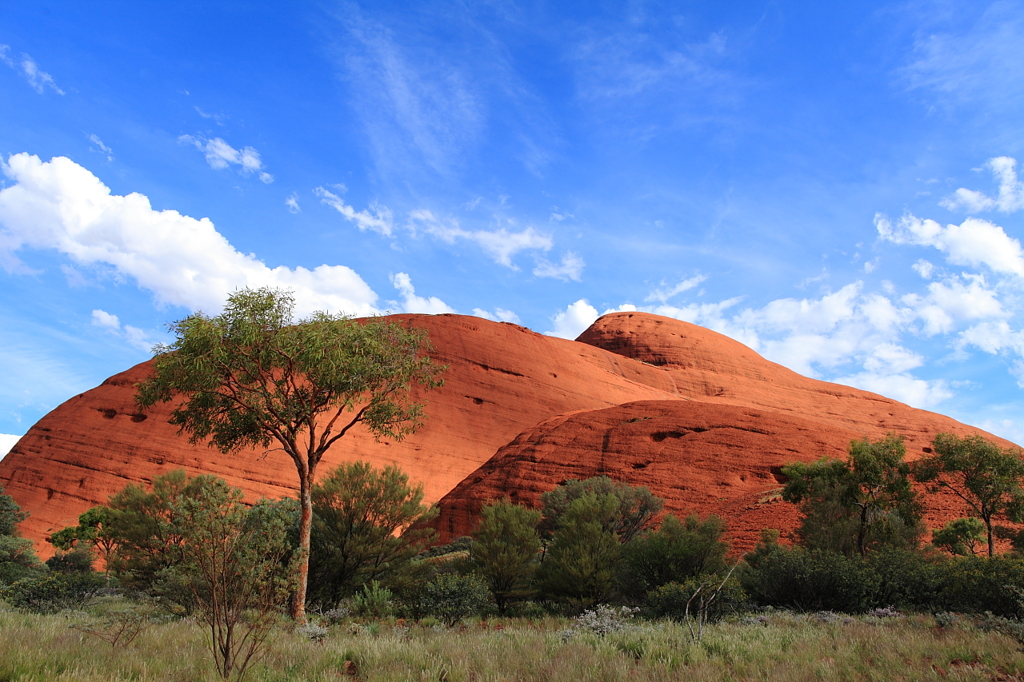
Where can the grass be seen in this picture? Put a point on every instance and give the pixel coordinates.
(782, 646)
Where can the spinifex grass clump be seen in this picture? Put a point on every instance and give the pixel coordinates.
(781, 646)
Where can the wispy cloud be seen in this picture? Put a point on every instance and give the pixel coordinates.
(102, 148)
(570, 267)
(665, 292)
(970, 59)
(36, 77)
(133, 335)
(292, 203)
(219, 154)
(377, 218)
(501, 244)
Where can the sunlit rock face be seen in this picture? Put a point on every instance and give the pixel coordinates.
(699, 418)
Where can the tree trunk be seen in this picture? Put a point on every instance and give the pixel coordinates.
(991, 542)
(305, 528)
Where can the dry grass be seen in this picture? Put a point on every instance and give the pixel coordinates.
(786, 647)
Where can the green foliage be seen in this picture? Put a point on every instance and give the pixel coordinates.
(859, 505)
(807, 580)
(252, 377)
(364, 528)
(374, 601)
(232, 562)
(504, 551)
(92, 532)
(961, 537)
(580, 565)
(635, 505)
(50, 593)
(75, 561)
(671, 599)
(18, 558)
(10, 515)
(144, 528)
(976, 585)
(677, 552)
(987, 478)
(450, 597)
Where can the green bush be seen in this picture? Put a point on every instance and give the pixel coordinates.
(808, 580)
(56, 592)
(677, 552)
(374, 601)
(976, 585)
(450, 597)
(669, 600)
(76, 561)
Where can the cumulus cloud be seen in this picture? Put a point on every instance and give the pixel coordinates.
(377, 218)
(1009, 199)
(184, 261)
(665, 292)
(103, 319)
(292, 203)
(571, 267)
(501, 244)
(499, 315)
(571, 322)
(974, 242)
(411, 303)
(7, 443)
(219, 154)
(902, 387)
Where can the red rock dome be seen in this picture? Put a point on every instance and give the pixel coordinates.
(696, 416)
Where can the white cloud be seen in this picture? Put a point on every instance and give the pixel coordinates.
(571, 267)
(1011, 191)
(571, 322)
(7, 442)
(60, 205)
(923, 268)
(36, 77)
(102, 318)
(411, 303)
(992, 337)
(499, 315)
(292, 202)
(500, 244)
(377, 219)
(138, 338)
(664, 292)
(219, 154)
(974, 242)
(95, 139)
(902, 387)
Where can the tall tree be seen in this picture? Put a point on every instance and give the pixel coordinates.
(367, 523)
(854, 505)
(17, 556)
(252, 377)
(504, 550)
(986, 477)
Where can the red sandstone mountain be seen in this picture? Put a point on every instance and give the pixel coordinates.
(698, 417)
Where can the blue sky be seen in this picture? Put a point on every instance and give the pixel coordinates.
(834, 184)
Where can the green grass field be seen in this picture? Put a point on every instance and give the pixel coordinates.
(781, 646)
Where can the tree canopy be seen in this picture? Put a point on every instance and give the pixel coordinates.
(853, 506)
(986, 477)
(253, 376)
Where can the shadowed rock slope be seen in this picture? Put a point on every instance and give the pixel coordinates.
(701, 419)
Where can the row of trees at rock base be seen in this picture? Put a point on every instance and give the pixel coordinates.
(191, 545)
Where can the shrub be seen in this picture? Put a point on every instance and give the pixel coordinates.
(808, 580)
(57, 592)
(677, 552)
(373, 602)
(671, 599)
(504, 551)
(451, 597)
(76, 561)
